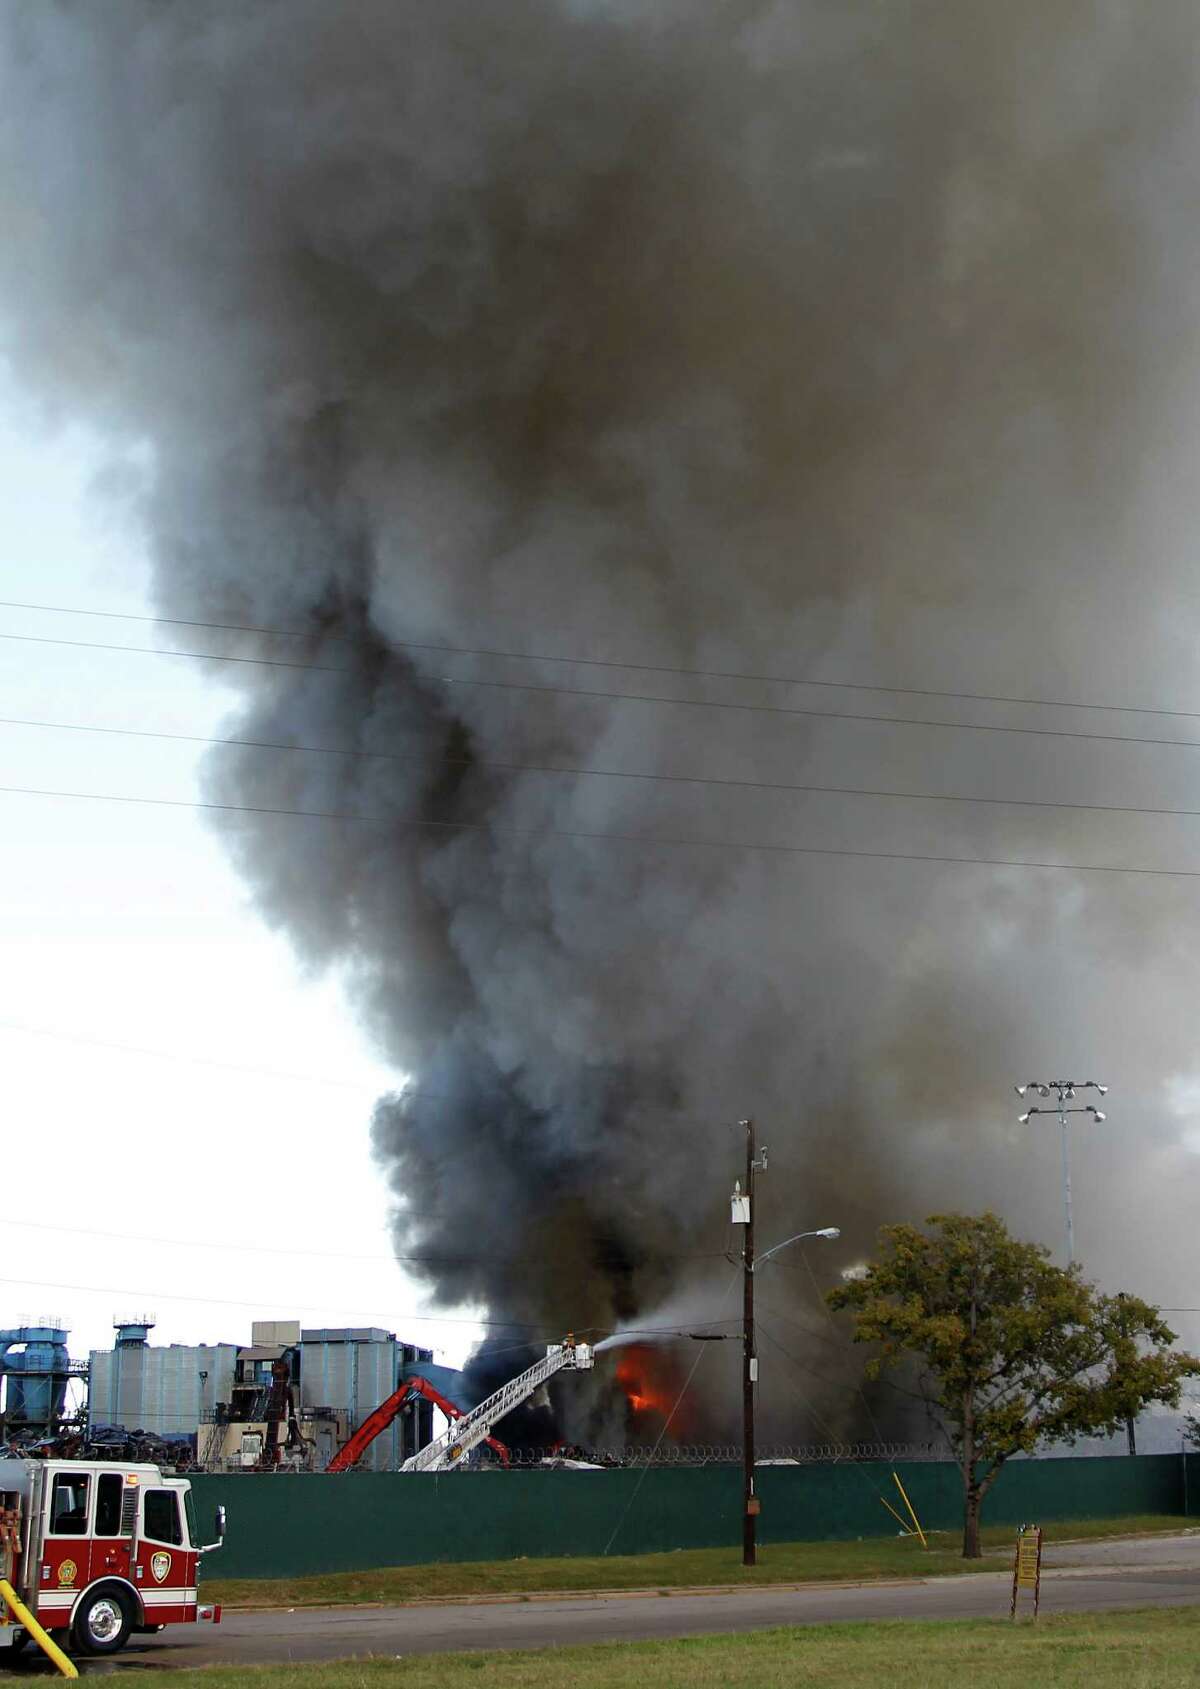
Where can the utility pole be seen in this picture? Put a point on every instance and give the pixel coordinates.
(1064, 1091)
(743, 1215)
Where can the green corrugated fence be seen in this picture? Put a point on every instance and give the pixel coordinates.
(290, 1525)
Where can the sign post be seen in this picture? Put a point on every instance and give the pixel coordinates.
(1027, 1566)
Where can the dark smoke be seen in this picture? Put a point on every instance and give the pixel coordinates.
(815, 339)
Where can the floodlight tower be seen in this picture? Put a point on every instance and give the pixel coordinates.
(1064, 1091)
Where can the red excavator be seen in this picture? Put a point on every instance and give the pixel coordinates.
(352, 1451)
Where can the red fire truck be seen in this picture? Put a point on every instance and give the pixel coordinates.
(97, 1550)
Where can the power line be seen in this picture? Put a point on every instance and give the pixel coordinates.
(810, 714)
(318, 1254)
(653, 840)
(606, 662)
(501, 766)
(185, 1056)
(226, 1302)
(823, 1423)
(832, 1342)
(399, 1090)
(791, 710)
(158, 651)
(687, 1383)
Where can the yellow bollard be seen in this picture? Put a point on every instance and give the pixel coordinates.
(27, 1622)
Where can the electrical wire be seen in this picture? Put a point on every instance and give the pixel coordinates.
(226, 1302)
(792, 710)
(160, 651)
(842, 1347)
(687, 1384)
(810, 1335)
(803, 788)
(824, 1307)
(820, 1420)
(314, 1254)
(610, 663)
(652, 840)
(245, 1069)
(811, 714)
(399, 1090)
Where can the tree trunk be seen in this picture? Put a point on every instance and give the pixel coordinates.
(972, 1495)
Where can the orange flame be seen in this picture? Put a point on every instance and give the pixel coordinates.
(642, 1391)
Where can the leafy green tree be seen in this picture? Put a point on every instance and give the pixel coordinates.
(1008, 1351)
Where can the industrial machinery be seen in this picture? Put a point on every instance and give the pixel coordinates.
(261, 1428)
(377, 1422)
(467, 1430)
(91, 1551)
(36, 1378)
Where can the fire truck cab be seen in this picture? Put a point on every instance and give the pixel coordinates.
(98, 1550)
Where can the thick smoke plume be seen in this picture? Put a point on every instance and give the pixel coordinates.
(830, 341)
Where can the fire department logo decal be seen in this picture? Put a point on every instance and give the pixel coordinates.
(68, 1571)
(160, 1565)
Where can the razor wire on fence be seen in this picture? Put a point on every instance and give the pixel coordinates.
(640, 1455)
(718, 1454)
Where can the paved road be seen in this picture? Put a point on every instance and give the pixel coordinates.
(1159, 1572)
(1163, 1553)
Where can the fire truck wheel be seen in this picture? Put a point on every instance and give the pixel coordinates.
(103, 1622)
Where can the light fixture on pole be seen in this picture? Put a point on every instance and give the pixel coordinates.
(742, 1214)
(1064, 1091)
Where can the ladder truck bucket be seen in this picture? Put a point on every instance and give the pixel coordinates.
(578, 1355)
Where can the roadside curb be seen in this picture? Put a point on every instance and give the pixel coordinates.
(643, 1593)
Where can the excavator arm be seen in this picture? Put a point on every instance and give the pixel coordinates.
(352, 1451)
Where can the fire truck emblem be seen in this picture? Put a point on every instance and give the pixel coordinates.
(160, 1565)
(67, 1571)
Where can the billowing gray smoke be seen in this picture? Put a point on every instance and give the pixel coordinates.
(816, 338)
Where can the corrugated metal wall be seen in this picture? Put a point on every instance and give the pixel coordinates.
(354, 1376)
(353, 1371)
(158, 1388)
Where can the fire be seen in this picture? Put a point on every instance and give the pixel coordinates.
(643, 1391)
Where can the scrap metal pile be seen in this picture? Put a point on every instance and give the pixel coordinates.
(104, 1442)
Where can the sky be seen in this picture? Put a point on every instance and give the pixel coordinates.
(186, 1112)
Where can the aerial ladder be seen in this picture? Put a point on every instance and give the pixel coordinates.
(467, 1430)
(377, 1422)
(449, 1451)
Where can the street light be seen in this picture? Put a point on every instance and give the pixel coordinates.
(825, 1231)
(1064, 1090)
(742, 1214)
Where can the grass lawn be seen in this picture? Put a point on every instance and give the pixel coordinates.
(796, 1562)
(1146, 1650)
